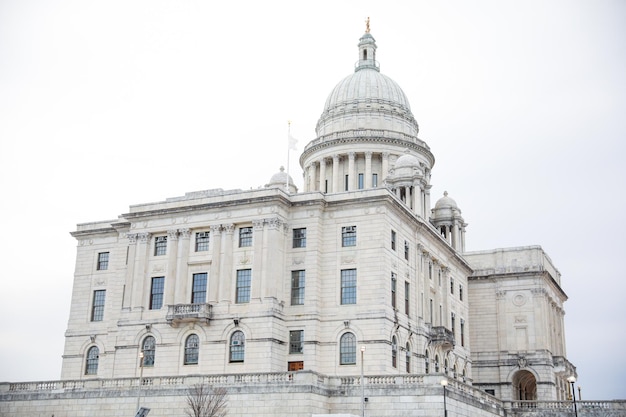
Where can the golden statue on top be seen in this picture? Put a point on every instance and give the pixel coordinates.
(367, 25)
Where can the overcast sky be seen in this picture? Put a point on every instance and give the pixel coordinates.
(104, 104)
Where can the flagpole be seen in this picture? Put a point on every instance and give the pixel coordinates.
(288, 152)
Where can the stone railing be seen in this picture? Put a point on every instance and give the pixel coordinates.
(566, 405)
(188, 312)
(366, 133)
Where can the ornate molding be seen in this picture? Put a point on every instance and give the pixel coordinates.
(172, 234)
(258, 224)
(184, 233)
(144, 237)
(132, 238)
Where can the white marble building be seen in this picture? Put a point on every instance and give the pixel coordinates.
(357, 273)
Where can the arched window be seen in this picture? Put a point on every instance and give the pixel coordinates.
(394, 352)
(147, 349)
(237, 346)
(408, 358)
(436, 363)
(426, 362)
(347, 349)
(91, 365)
(192, 345)
(445, 366)
(454, 375)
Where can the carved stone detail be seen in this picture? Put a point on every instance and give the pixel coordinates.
(144, 237)
(184, 233)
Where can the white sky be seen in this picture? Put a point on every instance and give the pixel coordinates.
(104, 104)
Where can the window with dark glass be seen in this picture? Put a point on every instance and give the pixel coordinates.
(394, 352)
(436, 364)
(91, 363)
(451, 285)
(346, 183)
(348, 286)
(408, 358)
(452, 323)
(296, 341)
(299, 238)
(407, 294)
(462, 332)
(245, 236)
(393, 239)
(156, 293)
(461, 292)
(297, 287)
(426, 362)
(103, 261)
(244, 277)
(347, 349)
(202, 241)
(374, 180)
(97, 309)
(348, 236)
(406, 250)
(148, 349)
(192, 348)
(160, 245)
(237, 346)
(361, 182)
(393, 290)
(198, 290)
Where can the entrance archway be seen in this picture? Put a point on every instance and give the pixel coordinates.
(525, 386)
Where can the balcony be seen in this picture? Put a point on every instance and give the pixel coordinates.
(188, 313)
(441, 336)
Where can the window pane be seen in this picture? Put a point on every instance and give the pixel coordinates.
(91, 365)
(202, 241)
(156, 293)
(245, 237)
(160, 246)
(361, 183)
(348, 236)
(299, 238)
(243, 285)
(97, 312)
(348, 286)
(296, 341)
(148, 349)
(191, 349)
(103, 261)
(297, 287)
(393, 240)
(347, 349)
(198, 292)
(237, 347)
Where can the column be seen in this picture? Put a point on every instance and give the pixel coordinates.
(214, 283)
(351, 171)
(322, 184)
(455, 236)
(258, 265)
(336, 187)
(132, 252)
(312, 175)
(177, 292)
(427, 202)
(417, 203)
(139, 275)
(227, 275)
(385, 167)
(368, 170)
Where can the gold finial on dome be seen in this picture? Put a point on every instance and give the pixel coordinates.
(367, 25)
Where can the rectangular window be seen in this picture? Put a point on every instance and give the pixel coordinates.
(97, 309)
(244, 277)
(406, 250)
(348, 236)
(160, 245)
(245, 237)
(348, 286)
(462, 332)
(407, 294)
(361, 183)
(156, 293)
(430, 271)
(325, 186)
(393, 239)
(451, 285)
(297, 288)
(299, 238)
(198, 291)
(430, 312)
(393, 290)
(103, 261)
(374, 180)
(346, 183)
(202, 241)
(453, 323)
(461, 292)
(296, 341)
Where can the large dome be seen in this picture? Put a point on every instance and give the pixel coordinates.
(367, 99)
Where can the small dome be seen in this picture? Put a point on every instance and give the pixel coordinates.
(407, 160)
(446, 202)
(280, 180)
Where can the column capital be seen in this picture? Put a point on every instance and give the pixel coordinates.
(132, 238)
(172, 234)
(258, 224)
(228, 228)
(184, 233)
(144, 237)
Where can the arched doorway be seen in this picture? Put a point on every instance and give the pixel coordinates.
(525, 386)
